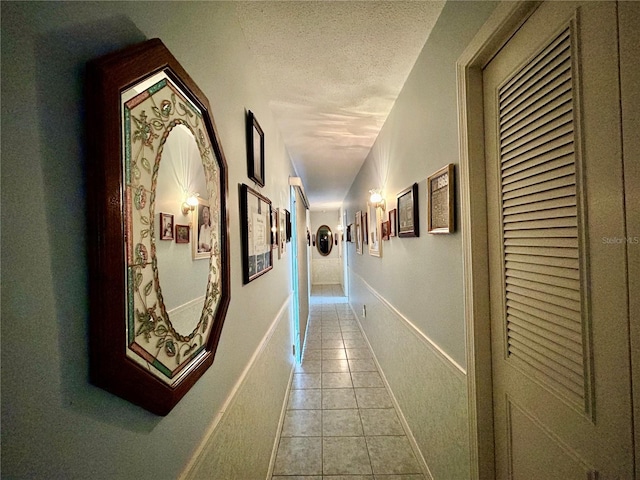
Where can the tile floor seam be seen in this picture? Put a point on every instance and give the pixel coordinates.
(327, 327)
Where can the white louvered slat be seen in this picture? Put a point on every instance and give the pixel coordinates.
(542, 278)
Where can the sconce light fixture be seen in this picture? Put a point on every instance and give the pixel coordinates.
(376, 198)
(189, 204)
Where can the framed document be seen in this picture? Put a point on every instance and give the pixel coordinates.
(440, 201)
(257, 252)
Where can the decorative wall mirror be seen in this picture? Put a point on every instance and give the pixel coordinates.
(156, 309)
(324, 240)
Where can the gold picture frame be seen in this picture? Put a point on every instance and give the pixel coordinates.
(440, 201)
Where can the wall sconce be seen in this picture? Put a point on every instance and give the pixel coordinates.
(189, 204)
(376, 199)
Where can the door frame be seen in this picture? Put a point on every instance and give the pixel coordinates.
(492, 36)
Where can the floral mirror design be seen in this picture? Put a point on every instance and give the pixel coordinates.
(324, 240)
(156, 312)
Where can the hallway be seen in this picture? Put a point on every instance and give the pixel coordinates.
(340, 421)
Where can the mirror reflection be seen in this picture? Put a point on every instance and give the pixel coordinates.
(183, 281)
(324, 240)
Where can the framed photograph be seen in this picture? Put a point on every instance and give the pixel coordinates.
(358, 232)
(282, 233)
(257, 252)
(384, 230)
(374, 215)
(166, 226)
(203, 237)
(274, 228)
(288, 225)
(182, 233)
(440, 201)
(145, 108)
(349, 230)
(255, 150)
(408, 223)
(392, 222)
(365, 228)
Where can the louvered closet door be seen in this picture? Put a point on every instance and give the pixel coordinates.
(559, 322)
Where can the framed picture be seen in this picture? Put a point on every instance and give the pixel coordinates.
(255, 215)
(374, 216)
(384, 230)
(144, 108)
(203, 237)
(166, 226)
(255, 150)
(358, 232)
(282, 233)
(274, 228)
(313, 239)
(365, 228)
(182, 233)
(392, 222)
(288, 225)
(349, 230)
(440, 201)
(408, 223)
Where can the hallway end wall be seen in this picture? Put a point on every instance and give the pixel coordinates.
(420, 279)
(325, 270)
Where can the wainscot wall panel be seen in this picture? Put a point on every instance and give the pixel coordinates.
(241, 443)
(430, 389)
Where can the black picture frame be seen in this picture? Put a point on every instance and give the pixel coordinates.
(408, 221)
(288, 224)
(255, 150)
(256, 225)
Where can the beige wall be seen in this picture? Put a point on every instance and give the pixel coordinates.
(326, 270)
(55, 424)
(417, 286)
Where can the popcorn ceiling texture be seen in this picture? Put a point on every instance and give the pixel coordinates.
(333, 70)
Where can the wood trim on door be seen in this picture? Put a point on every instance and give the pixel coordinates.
(494, 34)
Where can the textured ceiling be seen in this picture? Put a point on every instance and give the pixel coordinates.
(333, 70)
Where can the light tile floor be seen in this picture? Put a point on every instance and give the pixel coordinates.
(340, 423)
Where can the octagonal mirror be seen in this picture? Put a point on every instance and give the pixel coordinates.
(159, 265)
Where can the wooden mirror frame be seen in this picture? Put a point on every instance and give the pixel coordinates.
(110, 368)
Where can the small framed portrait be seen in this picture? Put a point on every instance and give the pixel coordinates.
(166, 226)
(384, 230)
(393, 217)
(203, 237)
(182, 233)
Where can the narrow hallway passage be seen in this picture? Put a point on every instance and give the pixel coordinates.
(340, 421)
